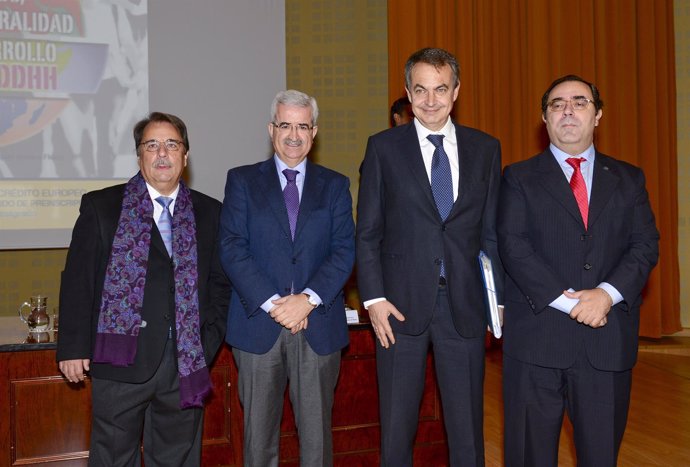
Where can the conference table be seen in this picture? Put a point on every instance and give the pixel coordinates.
(45, 421)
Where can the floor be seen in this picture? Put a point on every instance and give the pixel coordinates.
(658, 430)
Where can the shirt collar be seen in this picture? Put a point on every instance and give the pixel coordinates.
(280, 166)
(447, 131)
(562, 156)
(153, 193)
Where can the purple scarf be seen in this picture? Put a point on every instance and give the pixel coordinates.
(123, 291)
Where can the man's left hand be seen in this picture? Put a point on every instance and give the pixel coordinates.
(593, 306)
(291, 311)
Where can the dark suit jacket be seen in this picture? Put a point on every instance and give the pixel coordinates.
(401, 238)
(261, 259)
(546, 249)
(82, 285)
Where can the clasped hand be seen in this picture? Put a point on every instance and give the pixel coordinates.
(292, 312)
(592, 308)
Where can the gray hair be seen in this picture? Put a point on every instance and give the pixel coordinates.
(295, 98)
(438, 58)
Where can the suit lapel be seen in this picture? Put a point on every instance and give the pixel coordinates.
(604, 184)
(465, 166)
(555, 182)
(468, 173)
(408, 146)
(157, 240)
(311, 194)
(269, 184)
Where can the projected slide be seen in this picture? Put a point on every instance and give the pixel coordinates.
(73, 82)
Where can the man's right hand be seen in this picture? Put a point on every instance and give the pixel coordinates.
(378, 314)
(75, 370)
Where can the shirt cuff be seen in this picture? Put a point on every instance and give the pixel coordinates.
(313, 295)
(565, 304)
(268, 304)
(368, 303)
(612, 291)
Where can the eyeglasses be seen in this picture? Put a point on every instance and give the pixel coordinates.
(285, 127)
(154, 145)
(559, 105)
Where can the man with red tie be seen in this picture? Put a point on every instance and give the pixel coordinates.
(577, 238)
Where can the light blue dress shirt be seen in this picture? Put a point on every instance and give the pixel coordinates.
(299, 181)
(564, 303)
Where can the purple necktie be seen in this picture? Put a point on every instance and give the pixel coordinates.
(291, 195)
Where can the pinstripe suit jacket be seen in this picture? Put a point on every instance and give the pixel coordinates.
(546, 249)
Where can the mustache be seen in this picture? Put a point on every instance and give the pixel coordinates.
(293, 142)
(161, 163)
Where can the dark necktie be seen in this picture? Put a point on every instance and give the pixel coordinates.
(441, 182)
(165, 223)
(441, 179)
(577, 184)
(291, 195)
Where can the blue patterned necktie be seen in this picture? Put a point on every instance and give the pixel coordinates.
(291, 195)
(165, 222)
(441, 179)
(441, 182)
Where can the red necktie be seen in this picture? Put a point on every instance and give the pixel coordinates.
(577, 184)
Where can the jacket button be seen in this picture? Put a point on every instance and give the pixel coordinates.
(294, 260)
(443, 228)
(587, 266)
(167, 317)
(437, 261)
(172, 289)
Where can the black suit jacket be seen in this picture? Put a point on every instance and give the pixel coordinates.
(545, 249)
(401, 238)
(82, 285)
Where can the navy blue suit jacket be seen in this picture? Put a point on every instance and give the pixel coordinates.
(401, 238)
(546, 249)
(261, 259)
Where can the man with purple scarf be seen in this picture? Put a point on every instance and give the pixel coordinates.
(143, 302)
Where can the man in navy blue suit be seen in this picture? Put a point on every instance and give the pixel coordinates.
(578, 240)
(427, 206)
(287, 245)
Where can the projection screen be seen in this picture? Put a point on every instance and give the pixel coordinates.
(75, 76)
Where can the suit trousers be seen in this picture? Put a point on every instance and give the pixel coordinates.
(123, 412)
(459, 364)
(261, 385)
(535, 399)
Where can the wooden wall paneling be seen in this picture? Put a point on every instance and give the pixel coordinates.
(222, 437)
(47, 418)
(46, 422)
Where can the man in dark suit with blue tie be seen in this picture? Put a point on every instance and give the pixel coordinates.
(578, 240)
(287, 244)
(426, 208)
